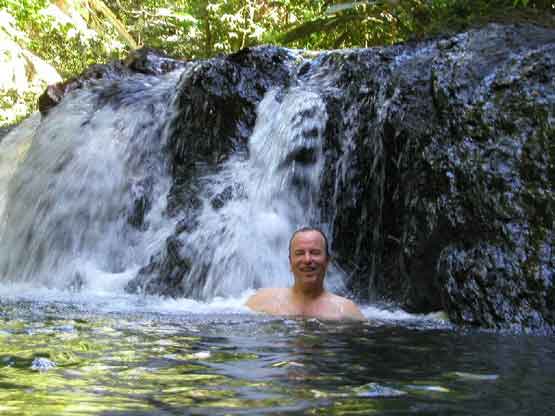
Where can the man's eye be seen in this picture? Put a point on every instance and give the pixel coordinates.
(315, 252)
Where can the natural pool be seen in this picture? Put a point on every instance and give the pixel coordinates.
(75, 354)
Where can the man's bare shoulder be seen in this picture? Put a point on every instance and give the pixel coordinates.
(264, 300)
(269, 293)
(348, 308)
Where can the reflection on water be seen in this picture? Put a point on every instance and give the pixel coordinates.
(240, 363)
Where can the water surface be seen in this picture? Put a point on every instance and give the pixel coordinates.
(147, 356)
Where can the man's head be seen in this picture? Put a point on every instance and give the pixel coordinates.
(305, 229)
(309, 257)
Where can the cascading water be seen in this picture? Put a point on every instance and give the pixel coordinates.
(74, 217)
(244, 242)
(14, 147)
(69, 204)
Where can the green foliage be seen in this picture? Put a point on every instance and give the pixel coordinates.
(24, 10)
(202, 28)
(15, 107)
(63, 44)
(370, 23)
(195, 29)
(70, 53)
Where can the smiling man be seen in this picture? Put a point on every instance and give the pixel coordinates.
(308, 258)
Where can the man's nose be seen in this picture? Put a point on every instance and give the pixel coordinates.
(307, 258)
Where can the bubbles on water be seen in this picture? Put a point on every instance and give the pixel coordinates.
(42, 364)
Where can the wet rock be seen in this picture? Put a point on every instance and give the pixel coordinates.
(216, 112)
(165, 273)
(217, 103)
(447, 198)
(141, 61)
(151, 62)
(439, 170)
(215, 116)
(140, 191)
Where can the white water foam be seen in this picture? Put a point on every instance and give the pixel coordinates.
(65, 222)
(242, 242)
(69, 186)
(114, 301)
(68, 202)
(14, 147)
(389, 314)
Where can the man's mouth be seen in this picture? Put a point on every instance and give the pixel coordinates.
(309, 272)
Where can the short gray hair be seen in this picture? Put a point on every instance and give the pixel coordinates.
(309, 228)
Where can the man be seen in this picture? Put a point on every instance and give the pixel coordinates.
(308, 258)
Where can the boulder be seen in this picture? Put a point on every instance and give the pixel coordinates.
(439, 167)
(447, 200)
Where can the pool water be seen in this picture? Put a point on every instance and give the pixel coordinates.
(65, 357)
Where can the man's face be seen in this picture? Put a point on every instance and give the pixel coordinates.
(308, 258)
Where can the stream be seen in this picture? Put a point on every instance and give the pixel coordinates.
(75, 354)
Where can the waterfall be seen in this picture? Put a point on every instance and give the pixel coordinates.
(14, 148)
(190, 184)
(73, 206)
(253, 204)
(85, 208)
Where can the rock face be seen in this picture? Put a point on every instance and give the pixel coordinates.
(439, 167)
(448, 198)
(217, 103)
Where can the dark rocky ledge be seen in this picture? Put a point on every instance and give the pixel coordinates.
(447, 201)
